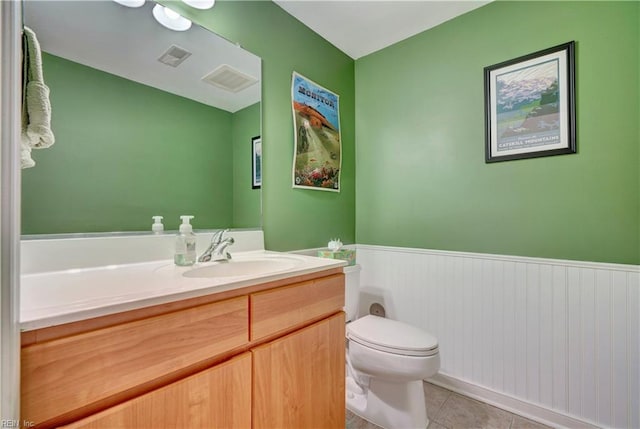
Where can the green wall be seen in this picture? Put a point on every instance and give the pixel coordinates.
(245, 124)
(418, 106)
(292, 218)
(422, 180)
(106, 172)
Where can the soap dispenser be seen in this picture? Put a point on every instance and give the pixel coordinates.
(157, 226)
(185, 244)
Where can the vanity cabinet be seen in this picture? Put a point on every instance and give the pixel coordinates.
(264, 356)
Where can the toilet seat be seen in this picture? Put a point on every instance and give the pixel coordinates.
(392, 336)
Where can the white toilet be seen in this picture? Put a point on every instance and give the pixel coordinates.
(386, 363)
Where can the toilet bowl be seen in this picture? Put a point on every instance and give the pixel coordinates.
(386, 363)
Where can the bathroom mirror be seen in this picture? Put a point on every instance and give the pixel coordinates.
(142, 123)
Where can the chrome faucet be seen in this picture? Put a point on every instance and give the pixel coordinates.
(217, 249)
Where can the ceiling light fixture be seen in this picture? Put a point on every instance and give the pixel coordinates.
(170, 19)
(130, 3)
(200, 4)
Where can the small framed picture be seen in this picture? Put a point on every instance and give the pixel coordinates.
(530, 105)
(256, 162)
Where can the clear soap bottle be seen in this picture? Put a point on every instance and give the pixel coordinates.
(157, 226)
(185, 244)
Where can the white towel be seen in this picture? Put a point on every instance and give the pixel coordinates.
(36, 107)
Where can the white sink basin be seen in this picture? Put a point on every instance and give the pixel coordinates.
(246, 267)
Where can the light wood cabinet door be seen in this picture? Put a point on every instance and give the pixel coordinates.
(219, 397)
(299, 379)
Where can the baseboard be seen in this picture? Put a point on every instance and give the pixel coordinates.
(525, 409)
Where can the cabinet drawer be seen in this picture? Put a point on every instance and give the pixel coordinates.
(284, 308)
(74, 372)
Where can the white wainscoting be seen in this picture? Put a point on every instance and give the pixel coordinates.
(560, 336)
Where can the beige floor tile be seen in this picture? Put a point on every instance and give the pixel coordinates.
(434, 397)
(459, 412)
(522, 423)
(434, 425)
(448, 410)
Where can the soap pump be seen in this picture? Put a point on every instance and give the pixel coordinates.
(157, 226)
(185, 243)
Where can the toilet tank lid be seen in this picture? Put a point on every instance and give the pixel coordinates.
(391, 334)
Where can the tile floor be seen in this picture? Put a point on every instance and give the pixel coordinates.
(450, 410)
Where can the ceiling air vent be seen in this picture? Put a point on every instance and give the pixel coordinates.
(174, 56)
(229, 79)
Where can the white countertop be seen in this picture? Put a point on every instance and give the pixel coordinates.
(57, 297)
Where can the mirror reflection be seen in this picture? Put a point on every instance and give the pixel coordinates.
(142, 122)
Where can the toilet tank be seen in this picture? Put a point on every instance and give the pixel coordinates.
(352, 291)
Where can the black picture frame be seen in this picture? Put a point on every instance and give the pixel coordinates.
(256, 162)
(530, 105)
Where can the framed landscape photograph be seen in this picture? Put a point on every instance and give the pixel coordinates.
(530, 105)
(256, 162)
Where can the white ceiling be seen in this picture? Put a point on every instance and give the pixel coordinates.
(360, 27)
(128, 41)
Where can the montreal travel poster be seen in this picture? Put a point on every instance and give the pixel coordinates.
(316, 120)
